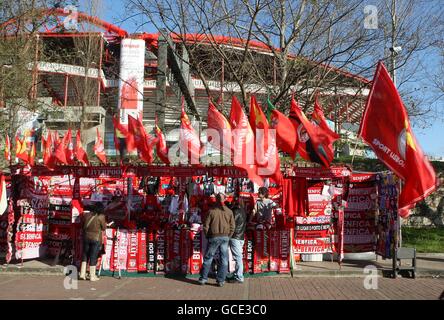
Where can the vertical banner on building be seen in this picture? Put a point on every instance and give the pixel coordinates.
(132, 61)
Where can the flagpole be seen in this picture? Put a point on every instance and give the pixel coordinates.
(354, 149)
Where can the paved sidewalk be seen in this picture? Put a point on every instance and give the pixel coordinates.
(19, 286)
(428, 265)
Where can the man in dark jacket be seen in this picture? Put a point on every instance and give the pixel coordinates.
(218, 228)
(237, 239)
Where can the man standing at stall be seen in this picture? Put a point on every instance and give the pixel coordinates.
(218, 228)
(237, 239)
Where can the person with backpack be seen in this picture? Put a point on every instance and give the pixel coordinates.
(94, 223)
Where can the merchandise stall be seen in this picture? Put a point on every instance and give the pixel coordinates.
(158, 213)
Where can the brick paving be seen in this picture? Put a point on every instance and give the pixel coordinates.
(21, 286)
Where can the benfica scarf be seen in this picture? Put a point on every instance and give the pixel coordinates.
(243, 142)
(386, 128)
(267, 156)
(286, 137)
(99, 148)
(79, 151)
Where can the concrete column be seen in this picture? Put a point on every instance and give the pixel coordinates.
(162, 65)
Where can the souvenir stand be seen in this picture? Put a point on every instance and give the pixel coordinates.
(158, 213)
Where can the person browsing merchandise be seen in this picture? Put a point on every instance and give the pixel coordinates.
(218, 228)
(263, 209)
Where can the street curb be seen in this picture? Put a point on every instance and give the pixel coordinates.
(59, 271)
(27, 270)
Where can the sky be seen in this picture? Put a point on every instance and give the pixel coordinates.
(431, 138)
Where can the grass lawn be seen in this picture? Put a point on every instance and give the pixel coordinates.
(424, 239)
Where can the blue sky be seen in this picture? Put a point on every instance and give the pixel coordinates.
(431, 139)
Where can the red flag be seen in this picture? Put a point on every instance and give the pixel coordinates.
(49, 159)
(267, 155)
(56, 138)
(318, 117)
(120, 134)
(385, 126)
(243, 142)
(3, 192)
(137, 138)
(32, 154)
(79, 151)
(99, 148)
(69, 148)
(21, 151)
(223, 139)
(286, 137)
(313, 143)
(161, 146)
(7, 149)
(62, 153)
(189, 140)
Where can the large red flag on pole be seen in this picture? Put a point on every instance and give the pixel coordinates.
(161, 146)
(138, 139)
(221, 138)
(318, 117)
(243, 142)
(80, 153)
(286, 137)
(99, 148)
(21, 151)
(32, 154)
(49, 159)
(313, 143)
(385, 126)
(267, 155)
(69, 148)
(61, 152)
(120, 135)
(189, 140)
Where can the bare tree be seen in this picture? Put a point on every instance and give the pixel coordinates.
(20, 49)
(303, 39)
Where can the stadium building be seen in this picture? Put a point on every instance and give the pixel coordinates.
(78, 75)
